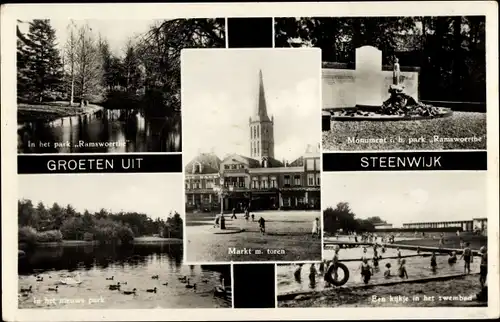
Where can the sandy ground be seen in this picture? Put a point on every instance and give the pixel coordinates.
(287, 238)
(457, 292)
(459, 125)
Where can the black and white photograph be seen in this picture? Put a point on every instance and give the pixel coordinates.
(397, 83)
(404, 240)
(94, 242)
(252, 154)
(93, 86)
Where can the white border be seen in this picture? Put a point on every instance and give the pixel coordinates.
(9, 14)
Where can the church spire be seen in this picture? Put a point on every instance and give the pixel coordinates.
(261, 113)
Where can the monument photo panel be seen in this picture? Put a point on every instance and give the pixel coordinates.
(412, 239)
(104, 86)
(252, 154)
(397, 83)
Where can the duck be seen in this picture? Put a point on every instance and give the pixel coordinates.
(110, 278)
(55, 289)
(155, 277)
(166, 283)
(151, 290)
(123, 283)
(183, 279)
(71, 280)
(26, 289)
(205, 281)
(114, 286)
(39, 278)
(191, 286)
(130, 292)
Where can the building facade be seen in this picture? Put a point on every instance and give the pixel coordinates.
(476, 225)
(260, 181)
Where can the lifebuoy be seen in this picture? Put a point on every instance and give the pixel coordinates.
(329, 275)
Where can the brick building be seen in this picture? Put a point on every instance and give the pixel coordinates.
(259, 181)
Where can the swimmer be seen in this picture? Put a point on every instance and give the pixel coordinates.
(467, 256)
(387, 273)
(366, 271)
(433, 261)
(402, 269)
(453, 258)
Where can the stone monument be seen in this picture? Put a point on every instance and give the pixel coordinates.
(369, 82)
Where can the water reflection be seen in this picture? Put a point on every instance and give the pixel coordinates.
(134, 267)
(102, 131)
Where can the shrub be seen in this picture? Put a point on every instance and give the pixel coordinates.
(27, 235)
(49, 236)
(125, 234)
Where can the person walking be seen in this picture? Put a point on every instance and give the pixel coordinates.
(262, 225)
(315, 228)
(483, 267)
(234, 214)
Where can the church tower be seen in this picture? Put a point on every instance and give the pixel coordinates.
(261, 127)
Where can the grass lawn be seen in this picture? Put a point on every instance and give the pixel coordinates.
(346, 297)
(287, 232)
(459, 125)
(50, 111)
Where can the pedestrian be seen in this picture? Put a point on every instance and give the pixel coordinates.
(467, 256)
(253, 217)
(222, 222)
(483, 267)
(234, 214)
(216, 222)
(297, 273)
(262, 225)
(315, 228)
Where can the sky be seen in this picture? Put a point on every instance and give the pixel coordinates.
(220, 93)
(117, 32)
(406, 197)
(153, 194)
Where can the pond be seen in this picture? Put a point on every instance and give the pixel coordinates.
(107, 130)
(417, 267)
(134, 265)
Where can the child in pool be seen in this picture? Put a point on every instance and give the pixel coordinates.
(402, 269)
(398, 254)
(433, 261)
(253, 217)
(366, 271)
(467, 256)
(453, 258)
(375, 262)
(387, 273)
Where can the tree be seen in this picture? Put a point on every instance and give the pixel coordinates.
(40, 63)
(339, 218)
(89, 66)
(70, 52)
(131, 68)
(159, 51)
(376, 220)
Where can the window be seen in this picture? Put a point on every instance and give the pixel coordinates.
(233, 166)
(273, 182)
(196, 184)
(317, 164)
(318, 176)
(309, 164)
(258, 130)
(226, 166)
(296, 180)
(310, 179)
(241, 182)
(242, 166)
(264, 184)
(210, 183)
(287, 179)
(251, 133)
(197, 168)
(254, 132)
(187, 185)
(255, 183)
(258, 147)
